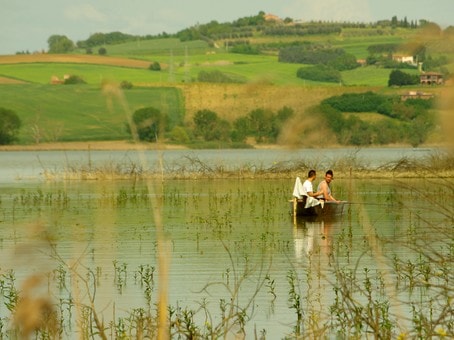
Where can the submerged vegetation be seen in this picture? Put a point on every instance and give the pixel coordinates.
(353, 280)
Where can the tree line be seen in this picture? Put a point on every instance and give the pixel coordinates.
(238, 29)
(409, 121)
(261, 124)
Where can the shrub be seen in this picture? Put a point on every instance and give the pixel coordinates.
(126, 85)
(179, 135)
(10, 124)
(73, 79)
(155, 66)
(320, 73)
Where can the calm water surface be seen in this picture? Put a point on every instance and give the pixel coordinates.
(218, 231)
(30, 165)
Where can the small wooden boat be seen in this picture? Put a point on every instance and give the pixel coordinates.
(324, 209)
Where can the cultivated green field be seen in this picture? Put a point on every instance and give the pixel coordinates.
(248, 68)
(81, 112)
(92, 74)
(148, 49)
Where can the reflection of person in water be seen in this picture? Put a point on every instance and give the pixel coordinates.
(325, 189)
(312, 237)
(312, 252)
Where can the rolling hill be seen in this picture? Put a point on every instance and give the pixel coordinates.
(25, 81)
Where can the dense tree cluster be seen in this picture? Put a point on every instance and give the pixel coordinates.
(308, 53)
(356, 102)
(99, 39)
(261, 124)
(321, 73)
(399, 78)
(241, 28)
(412, 121)
(330, 61)
(210, 127)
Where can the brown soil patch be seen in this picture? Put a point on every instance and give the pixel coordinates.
(8, 81)
(73, 58)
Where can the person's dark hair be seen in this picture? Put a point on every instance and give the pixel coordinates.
(311, 173)
(329, 172)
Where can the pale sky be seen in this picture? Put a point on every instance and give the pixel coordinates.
(25, 25)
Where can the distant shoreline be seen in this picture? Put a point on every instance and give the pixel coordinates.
(126, 145)
(91, 145)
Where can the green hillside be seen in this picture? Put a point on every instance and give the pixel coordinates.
(86, 112)
(81, 112)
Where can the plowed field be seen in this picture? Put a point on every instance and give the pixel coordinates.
(73, 58)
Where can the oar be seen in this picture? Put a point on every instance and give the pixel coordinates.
(366, 203)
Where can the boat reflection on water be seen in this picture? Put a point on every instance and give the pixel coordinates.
(313, 250)
(312, 225)
(311, 235)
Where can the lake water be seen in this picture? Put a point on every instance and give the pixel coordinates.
(227, 240)
(30, 165)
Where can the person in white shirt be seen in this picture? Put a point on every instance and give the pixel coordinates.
(307, 185)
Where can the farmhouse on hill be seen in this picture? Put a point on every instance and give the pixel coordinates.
(272, 17)
(404, 59)
(416, 95)
(431, 78)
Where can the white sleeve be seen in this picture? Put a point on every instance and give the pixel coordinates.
(307, 187)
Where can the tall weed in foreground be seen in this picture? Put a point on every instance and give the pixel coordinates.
(408, 293)
(112, 93)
